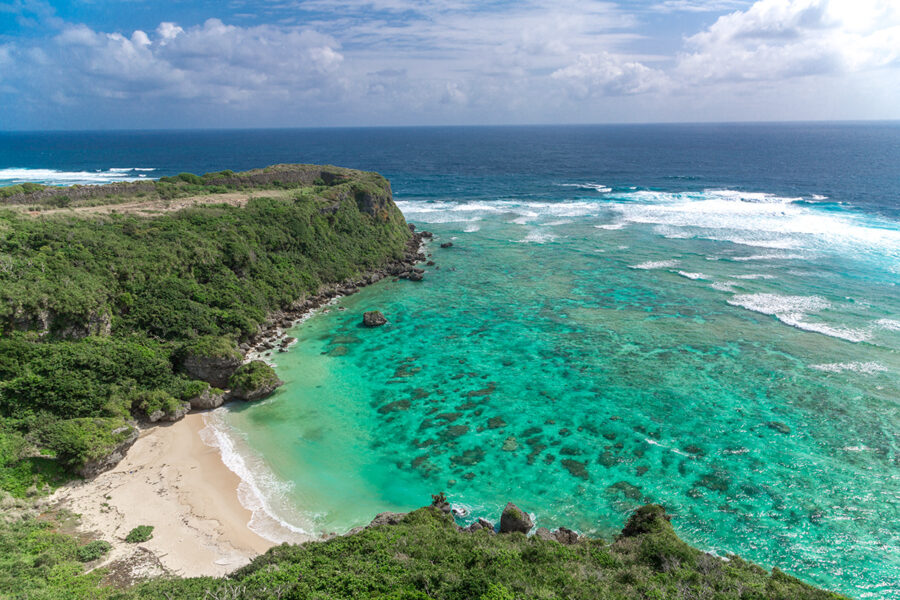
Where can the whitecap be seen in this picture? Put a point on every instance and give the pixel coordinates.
(757, 219)
(597, 187)
(889, 324)
(691, 275)
(768, 257)
(792, 310)
(15, 175)
(536, 236)
(866, 368)
(610, 226)
(752, 276)
(655, 264)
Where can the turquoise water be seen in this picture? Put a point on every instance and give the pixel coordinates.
(731, 356)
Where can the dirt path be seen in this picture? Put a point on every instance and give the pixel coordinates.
(151, 208)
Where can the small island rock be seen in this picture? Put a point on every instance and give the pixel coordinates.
(373, 318)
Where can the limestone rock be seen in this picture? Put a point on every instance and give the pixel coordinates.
(386, 518)
(544, 534)
(207, 399)
(373, 318)
(92, 468)
(565, 536)
(515, 519)
(254, 381)
(214, 370)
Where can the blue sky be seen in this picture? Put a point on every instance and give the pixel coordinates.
(244, 63)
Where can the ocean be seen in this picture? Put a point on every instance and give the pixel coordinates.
(702, 316)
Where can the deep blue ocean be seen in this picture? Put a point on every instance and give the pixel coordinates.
(704, 316)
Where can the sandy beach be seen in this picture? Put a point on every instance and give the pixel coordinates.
(172, 480)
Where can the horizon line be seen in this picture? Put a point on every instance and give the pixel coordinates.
(459, 126)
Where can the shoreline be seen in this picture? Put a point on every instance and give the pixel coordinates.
(174, 481)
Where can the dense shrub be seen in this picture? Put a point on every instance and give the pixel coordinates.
(139, 534)
(93, 550)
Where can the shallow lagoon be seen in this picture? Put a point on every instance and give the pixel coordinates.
(582, 357)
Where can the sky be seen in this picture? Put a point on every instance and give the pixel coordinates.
(143, 64)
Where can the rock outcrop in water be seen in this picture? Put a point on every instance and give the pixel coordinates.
(373, 318)
(254, 381)
(515, 519)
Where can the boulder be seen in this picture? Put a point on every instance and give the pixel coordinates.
(650, 518)
(373, 318)
(447, 245)
(485, 524)
(92, 468)
(212, 360)
(515, 519)
(565, 536)
(386, 518)
(177, 414)
(254, 381)
(207, 399)
(543, 533)
(426, 234)
(413, 276)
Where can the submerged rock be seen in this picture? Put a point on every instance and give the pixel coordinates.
(447, 245)
(779, 427)
(373, 318)
(515, 519)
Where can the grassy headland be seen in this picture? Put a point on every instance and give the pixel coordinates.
(98, 312)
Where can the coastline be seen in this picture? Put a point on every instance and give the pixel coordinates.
(170, 479)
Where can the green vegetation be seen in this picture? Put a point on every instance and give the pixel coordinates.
(93, 551)
(22, 188)
(211, 346)
(97, 312)
(141, 533)
(253, 376)
(426, 557)
(37, 562)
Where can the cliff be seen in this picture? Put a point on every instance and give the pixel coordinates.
(130, 315)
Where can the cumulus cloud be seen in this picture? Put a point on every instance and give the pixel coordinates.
(212, 62)
(776, 39)
(605, 74)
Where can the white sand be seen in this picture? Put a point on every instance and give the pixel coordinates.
(173, 481)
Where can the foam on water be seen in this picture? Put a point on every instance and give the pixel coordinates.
(691, 275)
(655, 264)
(866, 368)
(15, 175)
(757, 219)
(597, 187)
(258, 487)
(793, 310)
(536, 236)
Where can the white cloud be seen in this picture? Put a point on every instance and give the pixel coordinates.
(605, 74)
(213, 61)
(777, 39)
(698, 6)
